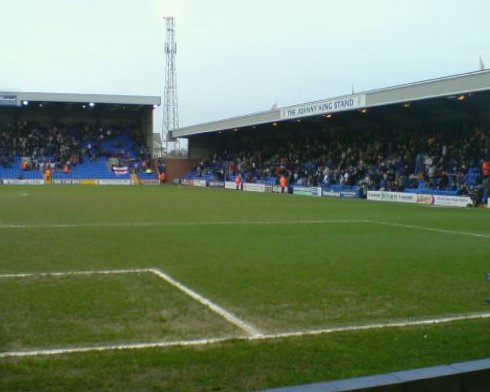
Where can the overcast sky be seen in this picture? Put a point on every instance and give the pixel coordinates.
(238, 56)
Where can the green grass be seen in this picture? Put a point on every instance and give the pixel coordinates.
(65, 311)
(287, 276)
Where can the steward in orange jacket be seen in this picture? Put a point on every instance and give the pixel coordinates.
(284, 183)
(238, 182)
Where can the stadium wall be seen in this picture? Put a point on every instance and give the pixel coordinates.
(473, 376)
(178, 168)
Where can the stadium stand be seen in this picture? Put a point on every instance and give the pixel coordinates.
(27, 150)
(440, 163)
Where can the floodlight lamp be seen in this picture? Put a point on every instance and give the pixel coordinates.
(91, 104)
(461, 98)
(25, 103)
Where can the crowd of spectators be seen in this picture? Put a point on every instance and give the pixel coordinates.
(56, 146)
(393, 161)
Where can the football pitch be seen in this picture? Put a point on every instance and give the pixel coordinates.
(187, 289)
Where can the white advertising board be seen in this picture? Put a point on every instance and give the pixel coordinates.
(200, 183)
(250, 187)
(395, 197)
(307, 191)
(230, 185)
(436, 200)
(452, 201)
(113, 182)
(12, 181)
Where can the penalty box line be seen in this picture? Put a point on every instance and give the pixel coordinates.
(264, 337)
(74, 273)
(215, 308)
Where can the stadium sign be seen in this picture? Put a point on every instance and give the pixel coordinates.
(323, 107)
(8, 100)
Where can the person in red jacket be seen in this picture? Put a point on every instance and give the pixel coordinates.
(485, 168)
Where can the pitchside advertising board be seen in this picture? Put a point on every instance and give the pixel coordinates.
(216, 184)
(274, 189)
(249, 187)
(151, 182)
(396, 197)
(307, 191)
(66, 182)
(324, 107)
(199, 183)
(435, 200)
(351, 192)
(246, 186)
(252, 187)
(113, 182)
(7, 181)
(230, 185)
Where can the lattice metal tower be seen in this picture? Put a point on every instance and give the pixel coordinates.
(170, 102)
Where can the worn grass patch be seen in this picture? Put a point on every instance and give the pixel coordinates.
(63, 311)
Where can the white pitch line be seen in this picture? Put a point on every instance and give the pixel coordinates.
(209, 341)
(131, 346)
(151, 224)
(394, 324)
(248, 328)
(433, 229)
(6, 226)
(74, 273)
(228, 316)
